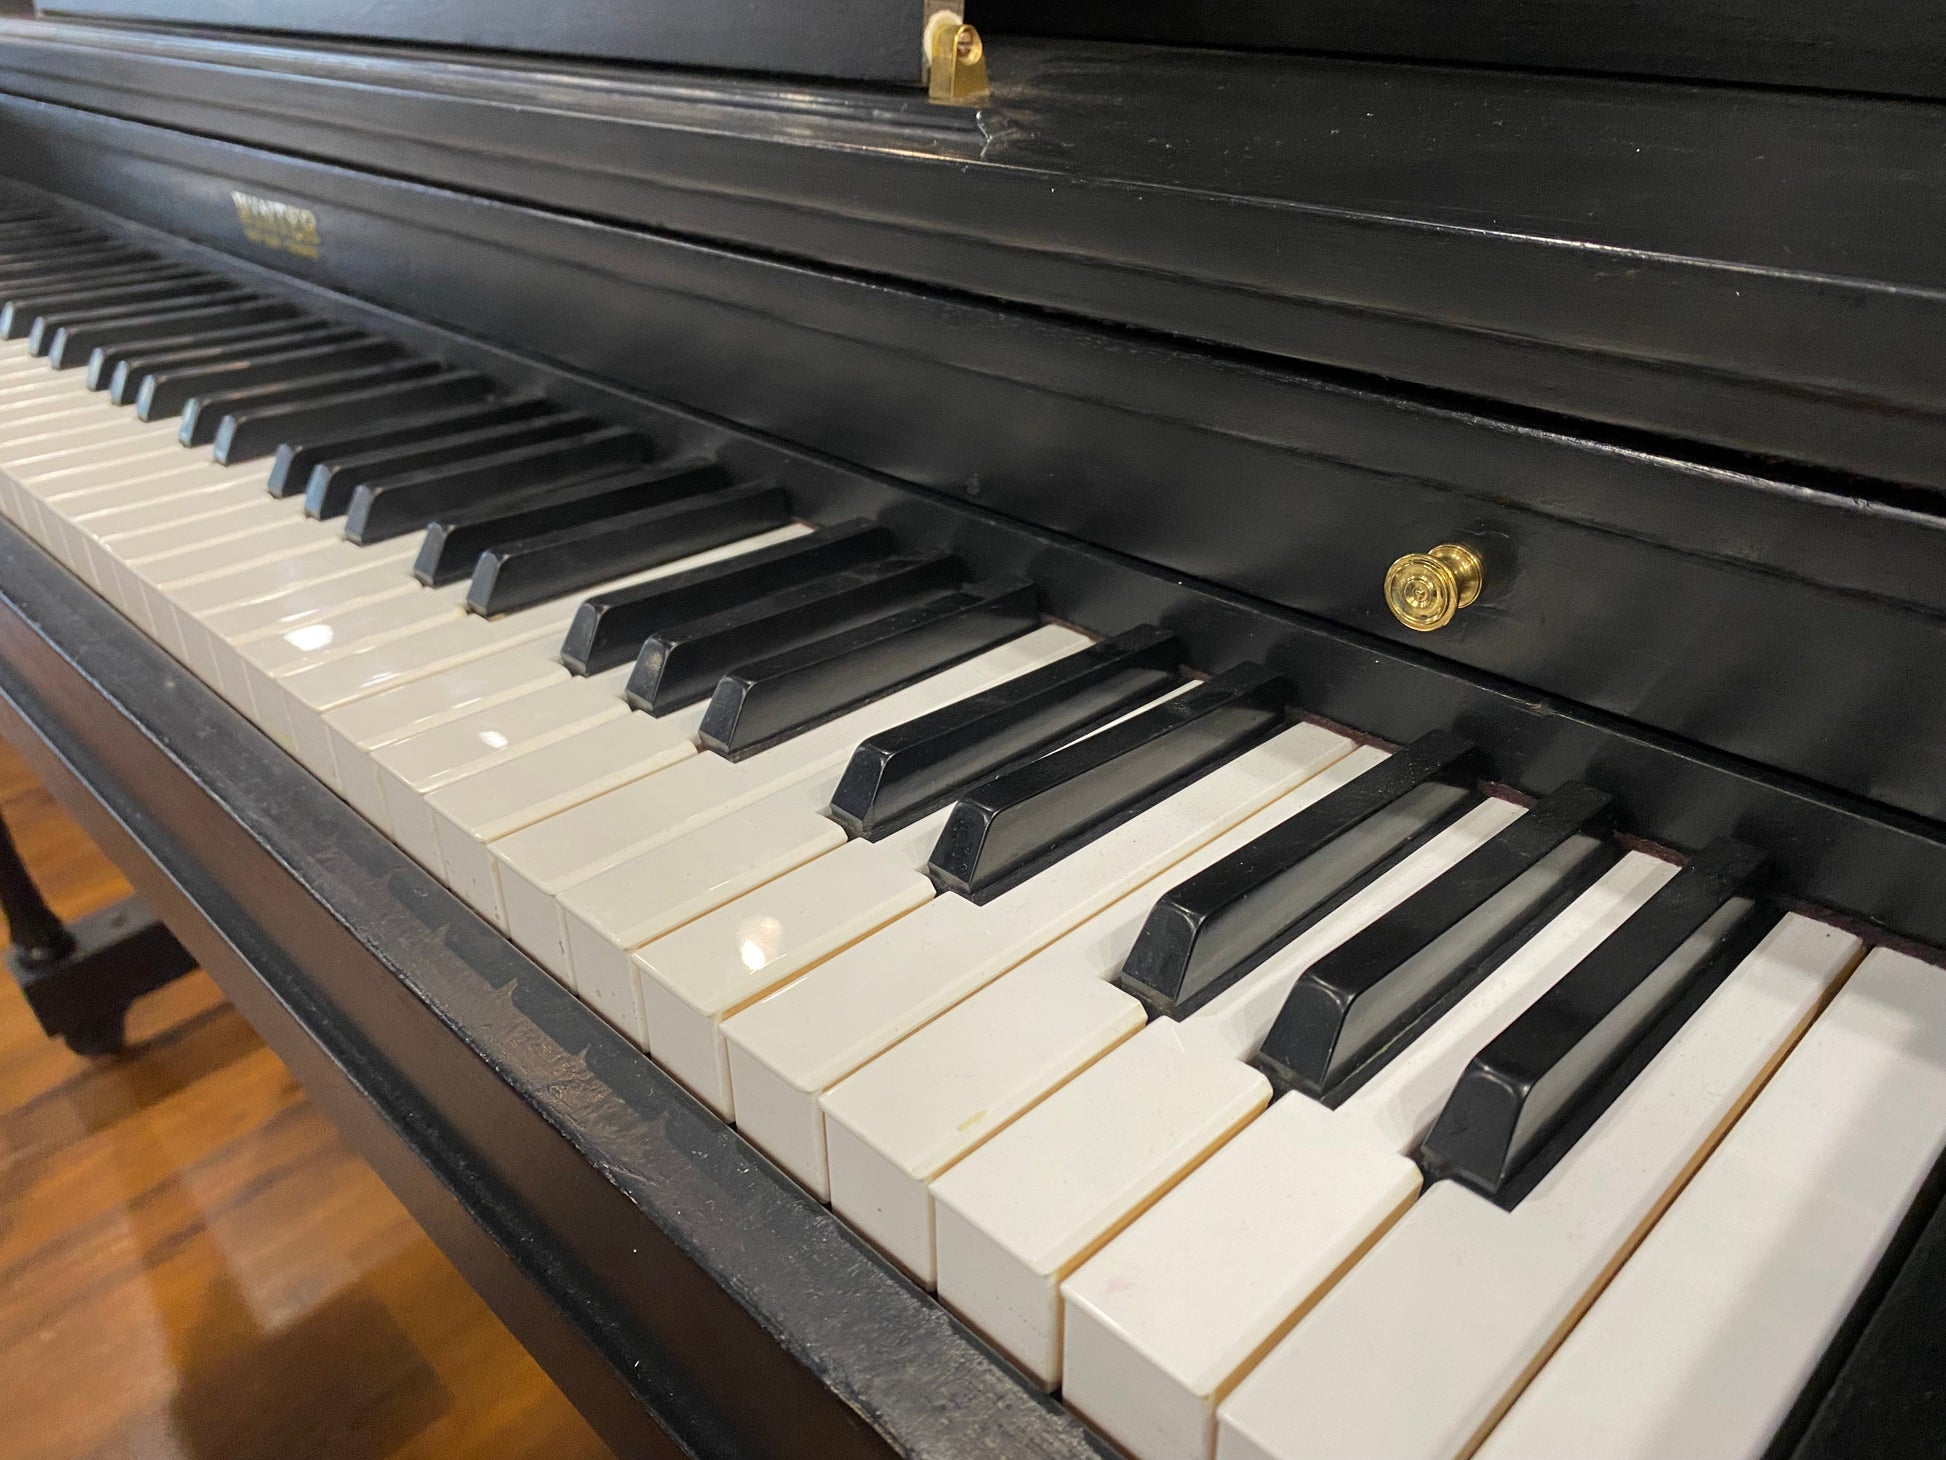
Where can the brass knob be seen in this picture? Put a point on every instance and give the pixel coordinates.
(1425, 590)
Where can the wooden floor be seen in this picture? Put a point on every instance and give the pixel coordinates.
(192, 1264)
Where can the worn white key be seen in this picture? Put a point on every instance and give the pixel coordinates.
(471, 814)
(1422, 1345)
(690, 980)
(358, 730)
(788, 1049)
(199, 491)
(610, 916)
(362, 728)
(533, 868)
(1145, 1114)
(896, 1124)
(51, 512)
(1704, 1340)
(310, 691)
(208, 639)
(152, 582)
(1162, 1322)
(263, 582)
(301, 655)
(411, 769)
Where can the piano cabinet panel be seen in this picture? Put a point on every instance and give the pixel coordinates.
(1787, 626)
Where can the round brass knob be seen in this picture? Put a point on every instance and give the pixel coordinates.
(1425, 590)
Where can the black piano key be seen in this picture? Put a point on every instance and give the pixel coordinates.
(1006, 829)
(393, 506)
(335, 479)
(758, 704)
(1531, 1078)
(17, 316)
(453, 544)
(59, 263)
(680, 664)
(75, 345)
(203, 415)
(134, 370)
(1209, 930)
(248, 432)
(297, 461)
(610, 628)
(47, 328)
(165, 392)
(903, 773)
(1373, 993)
(538, 569)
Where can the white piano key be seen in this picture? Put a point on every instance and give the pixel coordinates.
(267, 662)
(690, 876)
(264, 582)
(1146, 1113)
(200, 490)
(359, 729)
(787, 1049)
(1125, 1114)
(200, 635)
(310, 690)
(409, 770)
(1720, 1317)
(537, 865)
(472, 814)
(896, 1124)
(1160, 1324)
(1422, 1345)
(691, 979)
(154, 581)
(43, 510)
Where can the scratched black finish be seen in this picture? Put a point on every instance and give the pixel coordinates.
(611, 628)
(1651, 255)
(1527, 1083)
(1367, 998)
(165, 392)
(247, 432)
(680, 663)
(762, 702)
(1007, 828)
(203, 415)
(1731, 606)
(675, 1284)
(453, 543)
(123, 369)
(572, 559)
(1207, 931)
(336, 479)
(900, 774)
(49, 327)
(1879, 45)
(402, 502)
(859, 40)
(77, 345)
(21, 311)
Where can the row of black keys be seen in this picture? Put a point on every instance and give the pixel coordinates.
(1528, 1095)
(525, 497)
(528, 501)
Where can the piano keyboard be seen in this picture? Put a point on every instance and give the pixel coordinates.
(1267, 1094)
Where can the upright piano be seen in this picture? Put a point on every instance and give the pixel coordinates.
(1058, 731)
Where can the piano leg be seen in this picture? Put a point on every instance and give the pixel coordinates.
(80, 979)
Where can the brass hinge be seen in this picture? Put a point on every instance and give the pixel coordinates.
(956, 60)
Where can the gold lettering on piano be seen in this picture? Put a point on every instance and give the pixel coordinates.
(277, 225)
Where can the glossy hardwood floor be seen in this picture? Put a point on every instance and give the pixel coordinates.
(192, 1264)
